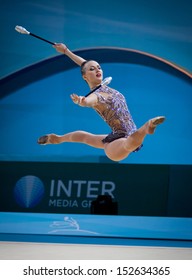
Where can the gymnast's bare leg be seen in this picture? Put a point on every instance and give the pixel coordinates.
(78, 136)
(116, 150)
(121, 148)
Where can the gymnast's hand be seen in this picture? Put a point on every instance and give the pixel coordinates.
(80, 100)
(60, 47)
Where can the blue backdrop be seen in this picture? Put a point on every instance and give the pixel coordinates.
(161, 27)
(35, 99)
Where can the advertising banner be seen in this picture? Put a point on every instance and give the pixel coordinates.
(43, 187)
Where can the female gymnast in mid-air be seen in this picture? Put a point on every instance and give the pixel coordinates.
(112, 107)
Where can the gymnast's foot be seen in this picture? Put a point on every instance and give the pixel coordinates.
(48, 139)
(152, 124)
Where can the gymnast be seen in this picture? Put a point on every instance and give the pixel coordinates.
(111, 105)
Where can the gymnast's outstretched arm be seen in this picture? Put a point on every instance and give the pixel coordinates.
(62, 48)
(83, 101)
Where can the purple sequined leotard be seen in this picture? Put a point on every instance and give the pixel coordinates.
(112, 107)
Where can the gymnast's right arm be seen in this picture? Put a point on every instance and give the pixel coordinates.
(63, 49)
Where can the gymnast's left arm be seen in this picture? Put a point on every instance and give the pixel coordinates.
(83, 101)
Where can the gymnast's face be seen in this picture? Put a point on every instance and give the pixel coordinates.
(92, 73)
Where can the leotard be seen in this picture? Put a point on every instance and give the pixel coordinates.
(112, 107)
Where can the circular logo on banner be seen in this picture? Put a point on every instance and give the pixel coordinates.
(28, 191)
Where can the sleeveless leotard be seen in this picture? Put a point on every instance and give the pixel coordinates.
(112, 107)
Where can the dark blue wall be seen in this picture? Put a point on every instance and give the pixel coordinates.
(138, 190)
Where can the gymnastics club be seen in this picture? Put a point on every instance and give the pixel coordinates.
(22, 30)
(105, 82)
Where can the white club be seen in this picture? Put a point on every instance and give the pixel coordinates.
(21, 29)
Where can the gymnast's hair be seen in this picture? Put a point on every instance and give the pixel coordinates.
(83, 70)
